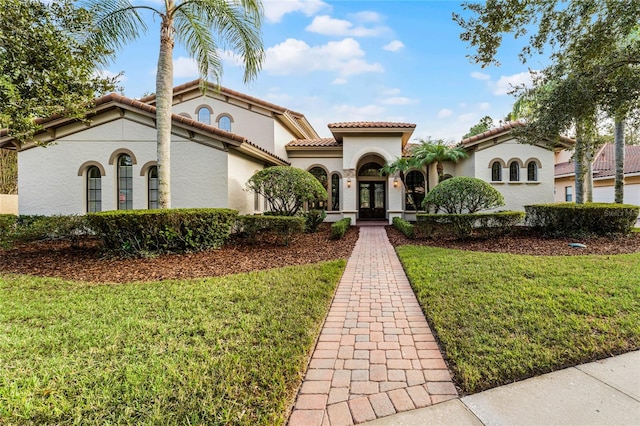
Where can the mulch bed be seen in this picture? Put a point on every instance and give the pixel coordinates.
(58, 259)
(524, 241)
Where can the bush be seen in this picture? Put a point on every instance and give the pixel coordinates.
(274, 229)
(26, 228)
(143, 232)
(286, 188)
(575, 220)
(339, 228)
(462, 194)
(313, 219)
(468, 224)
(403, 226)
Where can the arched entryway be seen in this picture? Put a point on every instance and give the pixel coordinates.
(372, 188)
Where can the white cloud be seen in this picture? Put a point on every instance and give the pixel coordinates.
(367, 16)
(369, 112)
(466, 118)
(484, 106)
(507, 83)
(444, 113)
(394, 46)
(185, 67)
(480, 75)
(111, 74)
(326, 25)
(274, 10)
(399, 100)
(296, 57)
(389, 91)
(340, 80)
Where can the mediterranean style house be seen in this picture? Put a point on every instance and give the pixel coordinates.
(222, 137)
(603, 175)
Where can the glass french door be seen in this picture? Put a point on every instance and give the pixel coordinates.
(371, 196)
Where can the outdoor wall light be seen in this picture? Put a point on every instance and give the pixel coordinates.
(395, 182)
(348, 182)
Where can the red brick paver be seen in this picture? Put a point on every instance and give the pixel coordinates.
(376, 355)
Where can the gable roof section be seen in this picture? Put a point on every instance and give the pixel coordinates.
(296, 122)
(604, 165)
(339, 130)
(115, 100)
(502, 130)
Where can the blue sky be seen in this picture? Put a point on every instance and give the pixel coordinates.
(357, 60)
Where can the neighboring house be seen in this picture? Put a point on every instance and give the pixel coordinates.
(220, 139)
(604, 170)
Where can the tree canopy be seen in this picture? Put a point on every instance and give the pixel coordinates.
(286, 189)
(485, 123)
(47, 64)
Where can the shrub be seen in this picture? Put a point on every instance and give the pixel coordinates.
(274, 229)
(142, 232)
(286, 188)
(26, 228)
(462, 194)
(403, 226)
(313, 219)
(575, 220)
(468, 224)
(339, 228)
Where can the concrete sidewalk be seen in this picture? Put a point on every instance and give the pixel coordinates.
(599, 393)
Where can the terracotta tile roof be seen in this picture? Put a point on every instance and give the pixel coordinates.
(604, 165)
(123, 100)
(407, 151)
(195, 84)
(503, 129)
(322, 142)
(370, 125)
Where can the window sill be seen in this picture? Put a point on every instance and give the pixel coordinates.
(533, 182)
(497, 182)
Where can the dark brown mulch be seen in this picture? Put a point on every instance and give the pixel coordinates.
(524, 241)
(58, 259)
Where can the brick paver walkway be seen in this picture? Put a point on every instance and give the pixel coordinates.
(376, 355)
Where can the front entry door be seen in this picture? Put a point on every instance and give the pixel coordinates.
(372, 200)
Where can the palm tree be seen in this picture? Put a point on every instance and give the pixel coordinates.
(402, 166)
(438, 151)
(193, 24)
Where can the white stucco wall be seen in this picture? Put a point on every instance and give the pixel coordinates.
(281, 136)
(8, 204)
(521, 193)
(256, 125)
(49, 182)
(241, 168)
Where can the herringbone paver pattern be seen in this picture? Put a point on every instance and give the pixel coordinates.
(376, 355)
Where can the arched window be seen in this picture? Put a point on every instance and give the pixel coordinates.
(335, 192)
(369, 169)
(224, 123)
(414, 190)
(532, 171)
(204, 115)
(496, 171)
(94, 190)
(125, 182)
(514, 172)
(152, 187)
(320, 174)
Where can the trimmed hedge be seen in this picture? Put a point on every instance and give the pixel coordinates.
(339, 228)
(27, 228)
(404, 226)
(143, 232)
(274, 229)
(575, 220)
(465, 225)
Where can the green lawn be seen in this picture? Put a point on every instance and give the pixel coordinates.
(228, 350)
(503, 317)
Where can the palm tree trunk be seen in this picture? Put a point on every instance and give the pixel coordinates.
(440, 169)
(619, 157)
(578, 159)
(164, 94)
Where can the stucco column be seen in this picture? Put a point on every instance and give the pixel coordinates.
(350, 198)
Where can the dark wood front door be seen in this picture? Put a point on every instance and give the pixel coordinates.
(371, 196)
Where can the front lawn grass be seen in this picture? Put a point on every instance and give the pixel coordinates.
(226, 350)
(502, 317)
